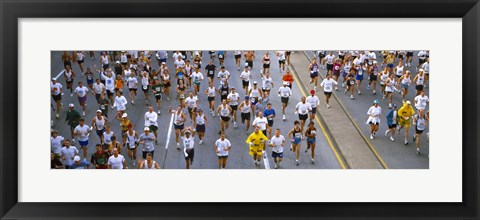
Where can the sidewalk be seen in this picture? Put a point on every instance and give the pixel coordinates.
(354, 149)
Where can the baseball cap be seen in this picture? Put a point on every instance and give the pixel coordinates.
(408, 103)
(53, 79)
(124, 115)
(71, 105)
(374, 61)
(118, 62)
(247, 97)
(254, 82)
(76, 158)
(285, 83)
(146, 129)
(99, 111)
(164, 63)
(312, 92)
(394, 105)
(375, 101)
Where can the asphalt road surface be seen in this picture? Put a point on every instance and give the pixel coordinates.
(205, 158)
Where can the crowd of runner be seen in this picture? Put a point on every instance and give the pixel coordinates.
(115, 82)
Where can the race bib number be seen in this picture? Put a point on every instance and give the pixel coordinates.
(109, 81)
(145, 87)
(298, 135)
(210, 72)
(220, 56)
(157, 89)
(182, 96)
(89, 77)
(102, 107)
(224, 92)
(328, 87)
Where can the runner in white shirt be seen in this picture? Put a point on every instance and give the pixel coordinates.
(374, 113)
(191, 102)
(224, 111)
(284, 92)
(151, 121)
(426, 68)
(197, 77)
(57, 92)
(149, 163)
(281, 60)
(267, 82)
(302, 108)
(57, 142)
(222, 146)
(132, 139)
(421, 101)
(404, 82)
(371, 56)
(98, 89)
(116, 161)
(223, 75)
(233, 101)
(211, 92)
(83, 132)
(277, 142)
(238, 56)
(329, 59)
(420, 121)
(314, 103)
(389, 89)
(67, 153)
(261, 122)
(81, 92)
(200, 123)
(132, 84)
(98, 124)
(188, 135)
(246, 76)
(80, 56)
(245, 110)
(120, 103)
(176, 55)
(146, 86)
(327, 85)
(109, 84)
(419, 81)
(107, 137)
(422, 57)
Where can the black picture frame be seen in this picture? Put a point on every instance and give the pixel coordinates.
(12, 10)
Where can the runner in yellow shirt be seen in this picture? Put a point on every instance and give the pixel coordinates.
(405, 114)
(257, 142)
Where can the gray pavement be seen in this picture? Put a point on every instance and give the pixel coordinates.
(205, 157)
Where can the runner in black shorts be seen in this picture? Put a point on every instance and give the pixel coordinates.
(210, 69)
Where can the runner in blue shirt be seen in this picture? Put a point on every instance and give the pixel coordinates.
(269, 113)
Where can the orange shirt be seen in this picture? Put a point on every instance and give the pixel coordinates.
(118, 83)
(287, 78)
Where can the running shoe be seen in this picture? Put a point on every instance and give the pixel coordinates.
(406, 141)
(414, 137)
(371, 136)
(386, 133)
(57, 115)
(328, 106)
(201, 142)
(178, 146)
(284, 117)
(351, 97)
(313, 161)
(296, 162)
(391, 138)
(276, 166)
(158, 112)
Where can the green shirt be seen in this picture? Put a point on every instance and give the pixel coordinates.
(157, 89)
(73, 118)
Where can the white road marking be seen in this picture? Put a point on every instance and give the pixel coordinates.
(265, 160)
(169, 131)
(59, 74)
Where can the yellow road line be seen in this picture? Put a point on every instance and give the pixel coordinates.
(321, 125)
(372, 148)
